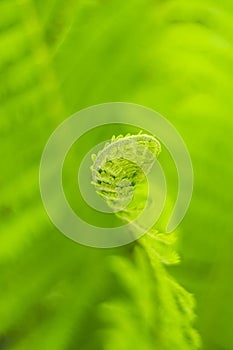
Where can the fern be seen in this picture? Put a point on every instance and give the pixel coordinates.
(159, 308)
(57, 57)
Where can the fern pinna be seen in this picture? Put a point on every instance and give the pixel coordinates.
(154, 304)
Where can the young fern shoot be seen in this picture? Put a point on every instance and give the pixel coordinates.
(120, 176)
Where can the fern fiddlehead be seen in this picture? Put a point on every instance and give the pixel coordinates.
(121, 166)
(119, 174)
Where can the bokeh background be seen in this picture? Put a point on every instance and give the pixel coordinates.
(59, 56)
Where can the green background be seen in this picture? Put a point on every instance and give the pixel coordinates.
(59, 56)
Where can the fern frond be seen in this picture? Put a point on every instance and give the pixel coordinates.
(166, 316)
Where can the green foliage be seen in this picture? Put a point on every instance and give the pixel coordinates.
(58, 56)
